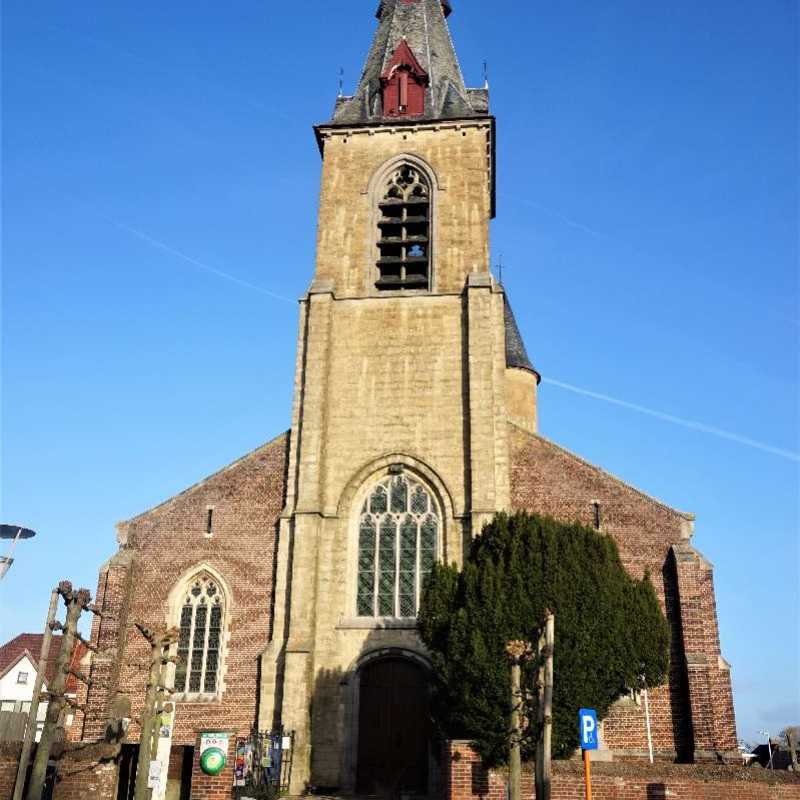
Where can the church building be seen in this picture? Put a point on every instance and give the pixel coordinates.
(295, 573)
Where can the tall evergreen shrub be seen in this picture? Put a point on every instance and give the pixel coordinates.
(610, 632)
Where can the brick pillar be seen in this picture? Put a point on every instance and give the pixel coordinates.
(710, 691)
(108, 635)
(217, 787)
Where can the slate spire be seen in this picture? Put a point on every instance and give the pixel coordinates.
(516, 352)
(431, 69)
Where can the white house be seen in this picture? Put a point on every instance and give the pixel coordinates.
(19, 660)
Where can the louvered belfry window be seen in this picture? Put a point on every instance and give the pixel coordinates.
(200, 640)
(404, 231)
(397, 544)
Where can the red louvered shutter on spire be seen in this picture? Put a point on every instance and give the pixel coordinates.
(404, 82)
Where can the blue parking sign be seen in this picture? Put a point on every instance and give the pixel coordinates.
(587, 718)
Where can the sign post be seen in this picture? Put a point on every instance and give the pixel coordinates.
(587, 725)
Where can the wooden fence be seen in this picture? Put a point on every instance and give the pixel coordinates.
(12, 726)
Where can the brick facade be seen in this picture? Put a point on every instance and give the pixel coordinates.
(466, 779)
(170, 542)
(218, 787)
(9, 762)
(88, 774)
(692, 717)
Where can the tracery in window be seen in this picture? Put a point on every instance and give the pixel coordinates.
(404, 229)
(397, 545)
(200, 640)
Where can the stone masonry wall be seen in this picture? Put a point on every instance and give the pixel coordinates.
(466, 779)
(692, 717)
(458, 155)
(169, 542)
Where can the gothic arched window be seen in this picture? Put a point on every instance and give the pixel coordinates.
(202, 616)
(398, 537)
(404, 231)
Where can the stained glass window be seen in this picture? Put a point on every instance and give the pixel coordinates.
(200, 639)
(397, 547)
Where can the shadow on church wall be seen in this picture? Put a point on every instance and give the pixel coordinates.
(335, 714)
(682, 729)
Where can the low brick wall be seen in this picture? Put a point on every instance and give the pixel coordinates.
(88, 773)
(9, 761)
(466, 779)
(208, 787)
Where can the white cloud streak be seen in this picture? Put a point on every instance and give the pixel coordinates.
(684, 423)
(200, 264)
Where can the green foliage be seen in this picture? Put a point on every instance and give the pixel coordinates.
(610, 631)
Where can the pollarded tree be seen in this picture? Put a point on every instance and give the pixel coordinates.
(610, 632)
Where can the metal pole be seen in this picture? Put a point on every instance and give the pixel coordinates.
(30, 731)
(769, 748)
(587, 769)
(540, 717)
(647, 719)
(7, 561)
(515, 759)
(550, 637)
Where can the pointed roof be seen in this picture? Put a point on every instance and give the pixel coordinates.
(403, 56)
(516, 352)
(30, 645)
(422, 26)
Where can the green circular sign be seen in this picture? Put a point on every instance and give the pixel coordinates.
(212, 762)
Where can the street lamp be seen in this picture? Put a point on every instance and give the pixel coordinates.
(14, 533)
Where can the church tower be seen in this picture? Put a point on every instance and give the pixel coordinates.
(409, 365)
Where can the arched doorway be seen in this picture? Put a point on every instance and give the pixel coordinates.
(394, 728)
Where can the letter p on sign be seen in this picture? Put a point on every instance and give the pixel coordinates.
(588, 729)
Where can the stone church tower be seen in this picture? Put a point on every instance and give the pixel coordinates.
(402, 376)
(295, 573)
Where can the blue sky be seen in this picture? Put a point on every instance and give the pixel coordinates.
(647, 220)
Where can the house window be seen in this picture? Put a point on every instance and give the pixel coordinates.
(22, 677)
(200, 641)
(404, 231)
(398, 537)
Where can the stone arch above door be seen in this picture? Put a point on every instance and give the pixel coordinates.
(394, 753)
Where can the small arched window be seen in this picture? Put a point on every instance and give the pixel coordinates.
(404, 230)
(202, 617)
(398, 537)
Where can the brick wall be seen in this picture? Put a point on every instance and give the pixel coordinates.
(466, 779)
(89, 773)
(219, 787)
(168, 542)
(108, 634)
(9, 761)
(692, 716)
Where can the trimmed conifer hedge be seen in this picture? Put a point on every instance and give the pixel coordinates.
(611, 634)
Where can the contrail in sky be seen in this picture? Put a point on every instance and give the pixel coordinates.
(213, 270)
(650, 412)
(685, 423)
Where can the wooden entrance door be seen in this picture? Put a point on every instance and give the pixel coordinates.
(394, 728)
